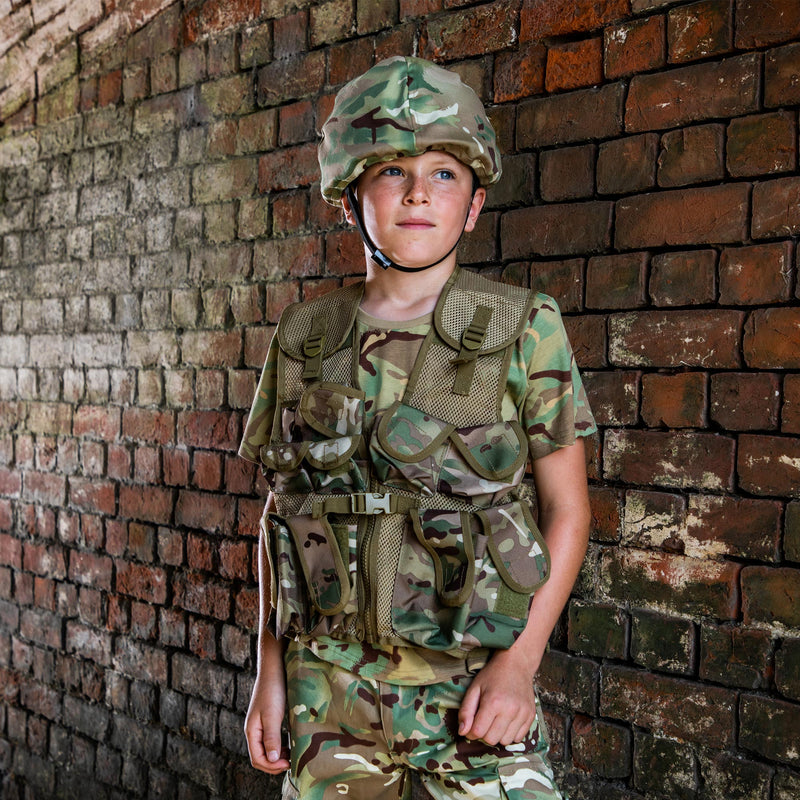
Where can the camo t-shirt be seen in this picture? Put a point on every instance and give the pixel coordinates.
(544, 390)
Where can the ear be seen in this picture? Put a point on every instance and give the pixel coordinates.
(475, 206)
(348, 211)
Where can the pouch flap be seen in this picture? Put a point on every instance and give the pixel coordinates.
(321, 560)
(517, 548)
(338, 308)
(408, 434)
(331, 453)
(283, 456)
(464, 292)
(332, 409)
(494, 451)
(447, 537)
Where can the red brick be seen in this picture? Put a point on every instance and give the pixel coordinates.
(755, 275)
(298, 256)
(717, 214)
(616, 281)
(540, 19)
(549, 231)
(214, 16)
(289, 213)
(790, 414)
(567, 173)
(207, 470)
(290, 34)
(210, 430)
(727, 88)
(761, 144)
(40, 559)
(692, 155)
(202, 639)
(582, 115)
(674, 401)
(670, 707)
(708, 339)
(562, 280)
(574, 65)
(142, 581)
(291, 78)
(683, 278)
(677, 583)
(636, 46)
(10, 482)
(93, 495)
(519, 73)
(234, 560)
(195, 592)
(771, 338)
(769, 465)
(208, 512)
(212, 348)
(176, 467)
(148, 425)
(200, 551)
(781, 67)
(699, 30)
(44, 488)
(776, 208)
(471, 32)
(249, 516)
(147, 503)
(170, 547)
(288, 168)
(672, 459)
(627, 165)
(613, 397)
(756, 28)
(745, 401)
(296, 123)
(109, 88)
(90, 569)
(345, 254)
(589, 340)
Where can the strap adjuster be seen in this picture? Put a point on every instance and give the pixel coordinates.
(370, 503)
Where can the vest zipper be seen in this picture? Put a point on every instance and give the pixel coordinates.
(366, 601)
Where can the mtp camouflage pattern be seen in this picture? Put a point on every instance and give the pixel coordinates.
(398, 522)
(403, 107)
(358, 739)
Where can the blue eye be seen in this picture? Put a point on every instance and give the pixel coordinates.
(392, 171)
(446, 174)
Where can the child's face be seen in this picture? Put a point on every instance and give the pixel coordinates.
(414, 208)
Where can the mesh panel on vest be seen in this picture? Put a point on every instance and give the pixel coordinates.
(390, 540)
(434, 392)
(336, 368)
(293, 385)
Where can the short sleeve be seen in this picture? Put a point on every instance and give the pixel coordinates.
(555, 409)
(259, 423)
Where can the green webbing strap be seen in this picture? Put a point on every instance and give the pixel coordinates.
(363, 503)
(313, 348)
(471, 341)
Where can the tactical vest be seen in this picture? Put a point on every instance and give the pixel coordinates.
(414, 534)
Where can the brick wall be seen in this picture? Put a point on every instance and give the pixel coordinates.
(159, 209)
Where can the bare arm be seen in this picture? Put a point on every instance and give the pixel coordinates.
(262, 726)
(499, 706)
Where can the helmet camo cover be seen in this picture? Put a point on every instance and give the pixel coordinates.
(404, 106)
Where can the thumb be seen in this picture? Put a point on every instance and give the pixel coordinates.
(469, 706)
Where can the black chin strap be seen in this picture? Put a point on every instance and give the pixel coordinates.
(378, 256)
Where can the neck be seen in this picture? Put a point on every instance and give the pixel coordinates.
(399, 296)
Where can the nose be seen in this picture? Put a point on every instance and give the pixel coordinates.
(417, 191)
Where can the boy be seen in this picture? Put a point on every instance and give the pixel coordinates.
(394, 420)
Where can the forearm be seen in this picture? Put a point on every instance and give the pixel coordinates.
(270, 650)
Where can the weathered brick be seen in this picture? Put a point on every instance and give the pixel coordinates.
(673, 583)
(770, 728)
(699, 30)
(213, 513)
(790, 413)
(214, 16)
(574, 65)
(142, 581)
(148, 425)
(745, 401)
(663, 765)
(567, 173)
(755, 275)
(598, 629)
(475, 31)
(787, 669)
(549, 232)
(727, 88)
(571, 117)
(601, 748)
(761, 144)
(562, 280)
(147, 503)
(717, 214)
(636, 46)
(92, 495)
(291, 78)
(754, 28)
(663, 643)
(288, 168)
(692, 155)
(616, 281)
(569, 682)
(780, 70)
(676, 339)
(775, 211)
(519, 73)
(771, 595)
(770, 339)
(587, 335)
(728, 777)
(627, 165)
(683, 278)
(735, 656)
(540, 19)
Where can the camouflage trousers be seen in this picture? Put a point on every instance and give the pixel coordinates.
(358, 738)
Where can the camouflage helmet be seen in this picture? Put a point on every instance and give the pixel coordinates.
(403, 107)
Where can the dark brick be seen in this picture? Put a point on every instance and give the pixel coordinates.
(754, 28)
(692, 155)
(727, 88)
(291, 78)
(616, 281)
(728, 777)
(475, 31)
(699, 30)
(775, 208)
(761, 144)
(599, 630)
(669, 707)
(683, 278)
(540, 19)
(663, 643)
(568, 682)
(770, 339)
(682, 585)
(613, 397)
(792, 535)
(755, 275)
(627, 165)
(735, 657)
(601, 748)
(661, 765)
(742, 401)
(636, 46)
(770, 728)
(771, 595)
(567, 173)
(562, 280)
(781, 67)
(787, 669)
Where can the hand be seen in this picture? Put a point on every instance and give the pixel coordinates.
(499, 707)
(262, 726)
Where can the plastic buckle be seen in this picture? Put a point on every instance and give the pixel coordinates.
(370, 503)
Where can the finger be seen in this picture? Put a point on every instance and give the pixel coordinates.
(469, 705)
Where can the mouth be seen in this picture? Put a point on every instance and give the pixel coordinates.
(415, 223)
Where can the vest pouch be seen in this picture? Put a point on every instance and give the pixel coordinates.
(332, 409)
